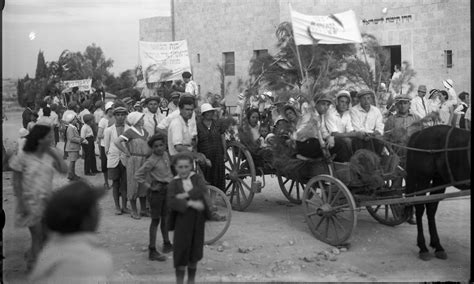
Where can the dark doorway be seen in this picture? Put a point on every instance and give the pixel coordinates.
(395, 56)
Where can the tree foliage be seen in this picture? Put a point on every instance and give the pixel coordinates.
(41, 68)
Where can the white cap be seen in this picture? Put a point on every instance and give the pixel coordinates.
(448, 83)
(69, 117)
(207, 107)
(108, 105)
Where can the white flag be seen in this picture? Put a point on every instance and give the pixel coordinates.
(164, 61)
(333, 29)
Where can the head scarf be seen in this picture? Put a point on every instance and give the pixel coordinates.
(134, 117)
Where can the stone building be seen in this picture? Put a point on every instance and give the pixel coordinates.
(433, 35)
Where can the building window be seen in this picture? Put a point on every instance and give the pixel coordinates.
(199, 58)
(448, 54)
(260, 52)
(229, 63)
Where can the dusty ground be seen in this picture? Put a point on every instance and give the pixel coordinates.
(279, 238)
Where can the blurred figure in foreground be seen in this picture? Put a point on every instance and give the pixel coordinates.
(73, 254)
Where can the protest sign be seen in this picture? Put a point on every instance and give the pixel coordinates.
(333, 29)
(83, 85)
(164, 61)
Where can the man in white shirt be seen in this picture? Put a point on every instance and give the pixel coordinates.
(190, 86)
(165, 123)
(152, 117)
(116, 160)
(180, 134)
(174, 100)
(339, 122)
(368, 119)
(419, 104)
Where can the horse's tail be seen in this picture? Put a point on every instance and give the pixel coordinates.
(365, 165)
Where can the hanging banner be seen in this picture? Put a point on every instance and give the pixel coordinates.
(333, 29)
(164, 61)
(83, 85)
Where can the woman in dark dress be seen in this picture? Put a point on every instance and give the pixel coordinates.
(211, 143)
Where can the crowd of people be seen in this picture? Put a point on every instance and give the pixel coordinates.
(145, 148)
(149, 147)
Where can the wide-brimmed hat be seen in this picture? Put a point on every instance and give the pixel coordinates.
(108, 106)
(433, 92)
(343, 93)
(448, 83)
(87, 117)
(154, 98)
(207, 107)
(120, 109)
(69, 117)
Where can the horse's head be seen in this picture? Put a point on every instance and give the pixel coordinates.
(366, 169)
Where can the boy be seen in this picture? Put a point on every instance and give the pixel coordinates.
(73, 144)
(159, 167)
(90, 165)
(72, 254)
(189, 202)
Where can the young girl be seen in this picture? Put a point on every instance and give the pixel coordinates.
(188, 200)
(264, 131)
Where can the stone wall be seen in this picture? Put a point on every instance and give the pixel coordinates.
(242, 26)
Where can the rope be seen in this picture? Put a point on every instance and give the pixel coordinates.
(431, 151)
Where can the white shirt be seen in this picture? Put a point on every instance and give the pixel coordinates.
(445, 113)
(179, 133)
(54, 118)
(165, 123)
(467, 116)
(149, 125)
(172, 107)
(98, 114)
(86, 131)
(459, 108)
(192, 88)
(338, 123)
(114, 155)
(417, 107)
(103, 123)
(367, 122)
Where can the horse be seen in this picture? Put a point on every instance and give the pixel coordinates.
(427, 169)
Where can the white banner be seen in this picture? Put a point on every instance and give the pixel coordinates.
(164, 61)
(333, 29)
(84, 85)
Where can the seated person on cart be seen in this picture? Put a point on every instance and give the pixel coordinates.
(338, 120)
(310, 133)
(368, 119)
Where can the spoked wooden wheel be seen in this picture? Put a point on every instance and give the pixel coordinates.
(391, 214)
(292, 189)
(221, 216)
(329, 209)
(240, 175)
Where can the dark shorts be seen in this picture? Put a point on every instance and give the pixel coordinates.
(117, 172)
(157, 199)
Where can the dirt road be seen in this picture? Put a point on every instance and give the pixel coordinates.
(280, 243)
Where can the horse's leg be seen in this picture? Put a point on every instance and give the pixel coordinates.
(431, 209)
(420, 240)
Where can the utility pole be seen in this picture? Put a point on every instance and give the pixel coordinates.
(172, 21)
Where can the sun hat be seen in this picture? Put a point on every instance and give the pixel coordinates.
(69, 117)
(134, 117)
(205, 107)
(422, 88)
(108, 106)
(448, 83)
(120, 109)
(433, 92)
(68, 206)
(343, 93)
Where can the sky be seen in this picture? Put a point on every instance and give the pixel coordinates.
(73, 24)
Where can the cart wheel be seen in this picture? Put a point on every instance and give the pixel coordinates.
(240, 176)
(222, 215)
(292, 189)
(329, 209)
(392, 214)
